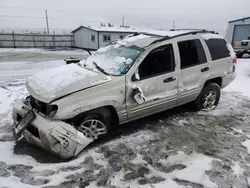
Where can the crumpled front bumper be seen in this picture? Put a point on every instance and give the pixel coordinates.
(55, 136)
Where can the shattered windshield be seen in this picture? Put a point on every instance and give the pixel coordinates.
(114, 61)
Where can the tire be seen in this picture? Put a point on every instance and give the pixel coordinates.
(93, 126)
(239, 55)
(210, 93)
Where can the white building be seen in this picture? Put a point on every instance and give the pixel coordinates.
(238, 30)
(95, 37)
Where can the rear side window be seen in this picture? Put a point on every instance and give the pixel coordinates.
(218, 48)
(191, 53)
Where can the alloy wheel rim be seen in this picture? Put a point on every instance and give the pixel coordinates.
(209, 99)
(92, 128)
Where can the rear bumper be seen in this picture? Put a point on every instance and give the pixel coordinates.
(228, 79)
(55, 136)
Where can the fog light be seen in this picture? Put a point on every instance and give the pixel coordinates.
(57, 147)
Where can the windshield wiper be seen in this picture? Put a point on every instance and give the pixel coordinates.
(100, 69)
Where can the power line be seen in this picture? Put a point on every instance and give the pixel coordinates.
(15, 7)
(51, 10)
(47, 21)
(33, 17)
(123, 22)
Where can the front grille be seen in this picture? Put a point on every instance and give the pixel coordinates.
(39, 106)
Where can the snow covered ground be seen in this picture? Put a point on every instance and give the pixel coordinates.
(25, 62)
(173, 149)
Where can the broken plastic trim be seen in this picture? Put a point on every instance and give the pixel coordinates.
(138, 96)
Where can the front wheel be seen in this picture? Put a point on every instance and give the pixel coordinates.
(93, 126)
(208, 98)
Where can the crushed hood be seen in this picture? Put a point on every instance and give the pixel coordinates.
(54, 83)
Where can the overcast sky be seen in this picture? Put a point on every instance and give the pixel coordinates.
(159, 14)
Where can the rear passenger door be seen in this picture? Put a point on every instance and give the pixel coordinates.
(194, 70)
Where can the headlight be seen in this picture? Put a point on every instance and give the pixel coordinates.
(52, 114)
(41, 107)
(51, 110)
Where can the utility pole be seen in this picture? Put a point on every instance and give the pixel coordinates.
(47, 21)
(123, 21)
(173, 24)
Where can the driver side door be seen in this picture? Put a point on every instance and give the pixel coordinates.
(157, 82)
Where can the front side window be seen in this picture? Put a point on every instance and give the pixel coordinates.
(159, 61)
(106, 38)
(218, 48)
(191, 53)
(113, 60)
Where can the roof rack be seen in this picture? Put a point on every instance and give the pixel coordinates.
(143, 33)
(186, 29)
(183, 34)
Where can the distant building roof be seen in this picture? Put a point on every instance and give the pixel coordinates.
(132, 30)
(108, 29)
(241, 19)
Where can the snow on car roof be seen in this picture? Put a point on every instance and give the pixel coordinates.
(132, 30)
(140, 40)
(147, 37)
(208, 36)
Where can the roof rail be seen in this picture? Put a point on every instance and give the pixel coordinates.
(143, 33)
(183, 34)
(186, 29)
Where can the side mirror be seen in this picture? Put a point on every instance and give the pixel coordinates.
(135, 77)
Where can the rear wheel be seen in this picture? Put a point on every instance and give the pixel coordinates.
(93, 126)
(240, 55)
(208, 98)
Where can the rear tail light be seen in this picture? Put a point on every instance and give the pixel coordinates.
(234, 64)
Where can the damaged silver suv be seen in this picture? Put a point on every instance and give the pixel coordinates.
(72, 105)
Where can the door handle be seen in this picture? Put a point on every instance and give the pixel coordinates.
(170, 79)
(205, 69)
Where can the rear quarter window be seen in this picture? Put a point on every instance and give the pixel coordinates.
(218, 48)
